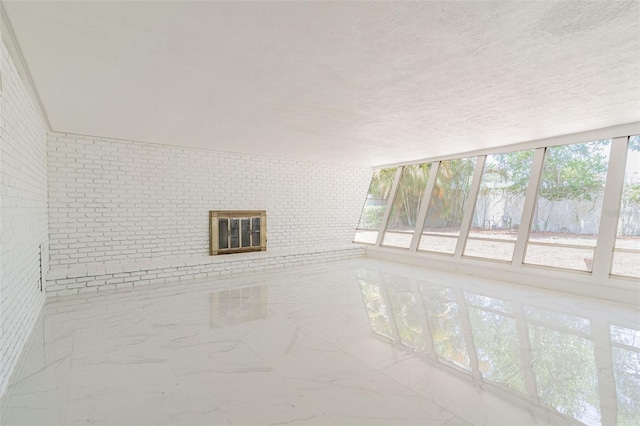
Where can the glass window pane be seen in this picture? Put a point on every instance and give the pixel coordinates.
(560, 257)
(255, 231)
(375, 205)
(246, 235)
(223, 233)
(628, 263)
(439, 243)
(404, 210)
(447, 203)
(397, 239)
(498, 250)
(499, 205)
(569, 204)
(234, 231)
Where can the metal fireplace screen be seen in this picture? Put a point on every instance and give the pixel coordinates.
(237, 231)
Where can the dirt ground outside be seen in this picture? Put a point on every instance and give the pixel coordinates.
(580, 259)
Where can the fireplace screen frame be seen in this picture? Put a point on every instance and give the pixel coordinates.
(245, 221)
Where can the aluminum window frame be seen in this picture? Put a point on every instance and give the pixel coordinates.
(604, 249)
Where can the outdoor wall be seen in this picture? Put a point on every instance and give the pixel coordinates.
(138, 207)
(497, 207)
(23, 214)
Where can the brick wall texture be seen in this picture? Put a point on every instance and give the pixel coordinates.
(23, 214)
(115, 200)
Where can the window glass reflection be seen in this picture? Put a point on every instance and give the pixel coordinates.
(540, 355)
(488, 302)
(375, 304)
(625, 336)
(496, 340)
(443, 317)
(558, 320)
(236, 306)
(564, 368)
(403, 305)
(626, 370)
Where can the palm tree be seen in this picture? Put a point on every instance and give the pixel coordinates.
(406, 204)
(450, 193)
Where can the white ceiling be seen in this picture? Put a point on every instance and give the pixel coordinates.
(364, 83)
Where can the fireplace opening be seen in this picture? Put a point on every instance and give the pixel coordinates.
(237, 231)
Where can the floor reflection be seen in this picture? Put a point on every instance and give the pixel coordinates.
(626, 367)
(299, 346)
(240, 305)
(547, 357)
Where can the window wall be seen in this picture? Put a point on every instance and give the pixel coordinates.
(564, 207)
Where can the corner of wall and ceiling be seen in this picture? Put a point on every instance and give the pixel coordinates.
(9, 39)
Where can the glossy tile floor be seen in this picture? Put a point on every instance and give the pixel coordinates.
(359, 342)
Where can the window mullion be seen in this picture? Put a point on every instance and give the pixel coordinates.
(529, 205)
(468, 336)
(424, 205)
(387, 211)
(471, 204)
(607, 231)
(603, 357)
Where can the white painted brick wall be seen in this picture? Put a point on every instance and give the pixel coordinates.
(112, 200)
(23, 214)
(143, 273)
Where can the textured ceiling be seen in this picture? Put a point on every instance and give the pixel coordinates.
(365, 83)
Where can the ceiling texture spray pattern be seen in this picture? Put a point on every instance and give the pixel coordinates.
(363, 83)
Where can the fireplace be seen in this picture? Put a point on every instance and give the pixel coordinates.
(237, 231)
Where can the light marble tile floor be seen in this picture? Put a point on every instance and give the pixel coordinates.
(359, 342)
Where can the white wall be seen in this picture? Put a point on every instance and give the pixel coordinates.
(23, 214)
(121, 201)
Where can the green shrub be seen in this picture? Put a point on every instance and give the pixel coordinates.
(372, 217)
